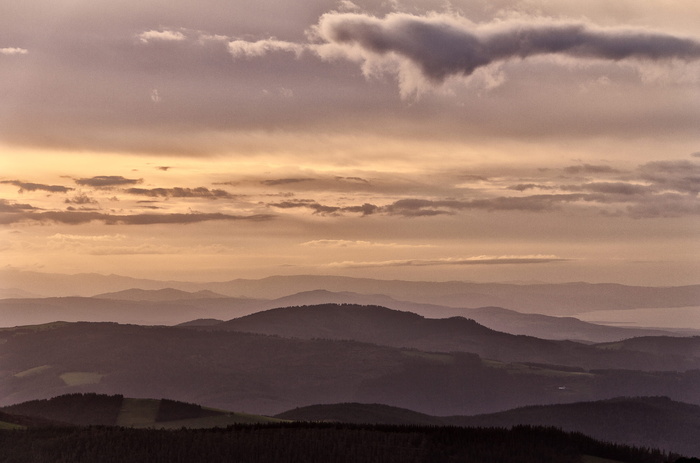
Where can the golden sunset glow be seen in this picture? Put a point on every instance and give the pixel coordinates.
(212, 144)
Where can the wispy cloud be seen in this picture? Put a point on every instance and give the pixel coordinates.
(29, 186)
(106, 181)
(13, 51)
(285, 181)
(9, 206)
(82, 217)
(359, 244)
(476, 260)
(242, 48)
(178, 192)
(165, 35)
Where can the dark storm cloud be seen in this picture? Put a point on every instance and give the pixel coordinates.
(442, 46)
(78, 217)
(177, 192)
(28, 186)
(105, 181)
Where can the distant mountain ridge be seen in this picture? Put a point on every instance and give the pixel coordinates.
(552, 299)
(159, 295)
(170, 306)
(383, 326)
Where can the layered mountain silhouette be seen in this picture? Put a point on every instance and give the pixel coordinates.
(379, 325)
(550, 299)
(170, 306)
(269, 374)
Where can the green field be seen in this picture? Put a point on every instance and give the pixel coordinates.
(5, 425)
(138, 412)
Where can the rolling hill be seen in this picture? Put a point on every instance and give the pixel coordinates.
(379, 325)
(268, 374)
(656, 422)
(116, 410)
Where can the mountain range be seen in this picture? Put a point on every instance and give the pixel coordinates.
(258, 373)
(170, 306)
(549, 299)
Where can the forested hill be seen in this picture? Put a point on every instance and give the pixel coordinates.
(315, 443)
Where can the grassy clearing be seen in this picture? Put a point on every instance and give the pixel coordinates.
(220, 421)
(6, 425)
(78, 378)
(32, 371)
(519, 368)
(138, 412)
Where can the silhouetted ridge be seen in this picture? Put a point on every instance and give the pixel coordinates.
(383, 326)
(79, 409)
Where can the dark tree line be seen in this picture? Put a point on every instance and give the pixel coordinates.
(312, 442)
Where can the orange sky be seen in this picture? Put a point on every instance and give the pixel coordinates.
(509, 140)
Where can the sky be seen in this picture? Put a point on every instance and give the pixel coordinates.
(504, 140)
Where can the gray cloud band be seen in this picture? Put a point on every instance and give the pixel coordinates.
(442, 45)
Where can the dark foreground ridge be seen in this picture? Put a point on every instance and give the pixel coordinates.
(315, 442)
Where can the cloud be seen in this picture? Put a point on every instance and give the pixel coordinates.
(530, 186)
(359, 244)
(28, 186)
(439, 46)
(242, 48)
(667, 205)
(352, 179)
(590, 169)
(477, 260)
(177, 192)
(426, 207)
(80, 217)
(306, 203)
(13, 51)
(682, 176)
(7, 206)
(80, 198)
(106, 181)
(285, 181)
(164, 36)
(96, 238)
(614, 188)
